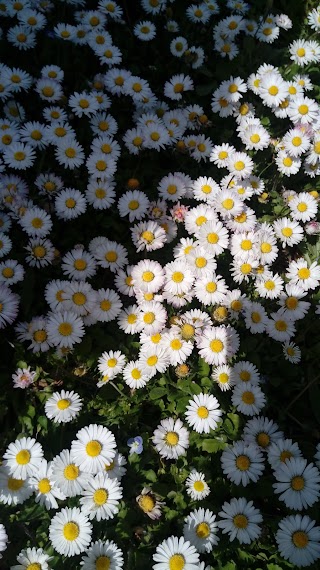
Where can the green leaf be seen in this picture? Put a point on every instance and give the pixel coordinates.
(213, 445)
(157, 393)
(151, 475)
(203, 367)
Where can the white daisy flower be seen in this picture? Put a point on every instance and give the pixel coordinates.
(281, 451)
(11, 272)
(32, 557)
(298, 483)
(83, 104)
(9, 304)
(148, 276)
(111, 255)
(223, 376)
(63, 407)
(262, 431)
(217, 344)
(70, 532)
(196, 486)
(102, 553)
(299, 273)
(248, 398)
(177, 85)
(13, 491)
(19, 156)
(78, 264)
(296, 142)
(64, 329)
(70, 479)
(46, 491)
(69, 204)
(298, 540)
(23, 457)
(128, 320)
(288, 231)
(93, 447)
(175, 552)
(269, 287)
(240, 519)
(69, 153)
(303, 110)
(291, 352)
(154, 359)
(100, 193)
(291, 303)
(170, 438)
(203, 413)
(287, 164)
(200, 529)
(3, 539)
(100, 499)
(303, 207)
(107, 305)
(242, 463)
(133, 375)
(111, 363)
(116, 468)
(148, 235)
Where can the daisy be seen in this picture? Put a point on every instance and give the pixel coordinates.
(11, 272)
(34, 133)
(269, 287)
(103, 124)
(36, 222)
(176, 552)
(200, 529)
(217, 344)
(248, 399)
(280, 327)
(44, 487)
(38, 334)
(63, 407)
(303, 110)
(255, 137)
(298, 483)
(196, 486)
(154, 359)
(291, 303)
(170, 438)
(93, 447)
(303, 207)
(9, 303)
(107, 305)
(19, 156)
(111, 363)
(240, 519)
(281, 451)
(13, 491)
(83, 104)
(23, 377)
(70, 532)
(289, 232)
(299, 273)
(177, 85)
(136, 87)
(203, 413)
(100, 193)
(149, 503)
(148, 235)
(80, 298)
(179, 277)
(223, 376)
(100, 499)
(296, 142)
(5, 244)
(244, 372)
(262, 431)
(242, 463)
(111, 255)
(32, 557)
(255, 316)
(67, 476)
(272, 89)
(23, 457)
(70, 204)
(101, 165)
(3, 539)
(145, 30)
(287, 164)
(300, 52)
(78, 264)
(148, 276)
(298, 540)
(178, 349)
(64, 329)
(69, 153)
(128, 320)
(102, 553)
(201, 262)
(48, 89)
(116, 468)
(291, 352)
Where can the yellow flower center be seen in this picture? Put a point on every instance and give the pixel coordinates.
(284, 455)
(236, 305)
(70, 152)
(304, 273)
(245, 268)
(23, 457)
(19, 156)
(63, 404)
(178, 88)
(243, 462)
(148, 236)
(233, 88)
(40, 336)
(265, 247)
(176, 562)
(287, 161)
(300, 539)
(49, 186)
(223, 155)
(71, 472)
(47, 91)
(71, 531)
(248, 398)
(146, 503)
(228, 203)
(187, 331)
(80, 264)
(211, 287)
(14, 484)
(102, 563)
(202, 530)
(255, 138)
(297, 483)
(302, 207)
(93, 448)
(36, 135)
(79, 298)
(101, 165)
(65, 329)
(152, 360)
(147, 276)
(301, 52)
(239, 165)
(296, 141)
(287, 232)
(223, 378)
(198, 486)
(154, 136)
(44, 486)
(303, 109)
(245, 376)
(104, 126)
(281, 326)
(34, 566)
(7, 272)
(201, 262)
(212, 237)
(100, 497)
(131, 318)
(263, 439)
(273, 90)
(176, 344)
(136, 374)
(171, 438)
(203, 412)
(216, 345)
(240, 521)
(270, 285)
(244, 109)
(246, 244)
(206, 189)
(111, 256)
(291, 303)
(149, 318)
(105, 305)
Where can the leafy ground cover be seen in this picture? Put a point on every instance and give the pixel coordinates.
(159, 285)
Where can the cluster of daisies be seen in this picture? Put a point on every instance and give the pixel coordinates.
(178, 310)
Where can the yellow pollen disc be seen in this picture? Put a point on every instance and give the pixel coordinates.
(178, 88)
(201, 262)
(106, 148)
(269, 285)
(201, 147)
(281, 326)
(228, 203)
(71, 472)
(243, 462)
(223, 378)
(302, 207)
(102, 563)
(40, 336)
(244, 109)
(105, 305)
(112, 362)
(100, 497)
(300, 539)
(304, 273)
(37, 223)
(216, 345)
(206, 189)
(223, 155)
(155, 338)
(246, 244)
(255, 138)
(63, 404)
(212, 237)
(273, 90)
(14, 484)
(172, 189)
(7, 272)
(6, 139)
(241, 218)
(71, 531)
(202, 530)
(171, 438)
(61, 132)
(291, 303)
(101, 165)
(49, 186)
(296, 141)
(265, 247)
(137, 87)
(44, 486)
(287, 161)
(111, 256)
(103, 126)
(93, 448)
(36, 135)
(148, 296)
(203, 412)
(316, 147)
(19, 156)
(236, 305)
(240, 521)
(80, 264)
(65, 34)
(146, 503)
(297, 483)
(255, 317)
(176, 562)
(187, 331)
(149, 318)
(32, 21)
(94, 21)
(245, 376)
(23, 457)
(287, 232)
(263, 439)
(233, 88)
(33, 566)
(136, 374)
(239, 165)
(131, 318)
(152, 360)
(83, 103)
(201, 220)
(176, 344)
(65, 329)
(290, 351)
(70, 152)
(100, 193)
(79, 298)
(248, 398)
(155, 136)
(177, 276)
(47, 91)
(245, 268)
(267, 31)
(148, 236)
(256, 82)
(303, 109)
(211, 287)
(301, 52)
(284, 455)
(198, 486)
(147, 276)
